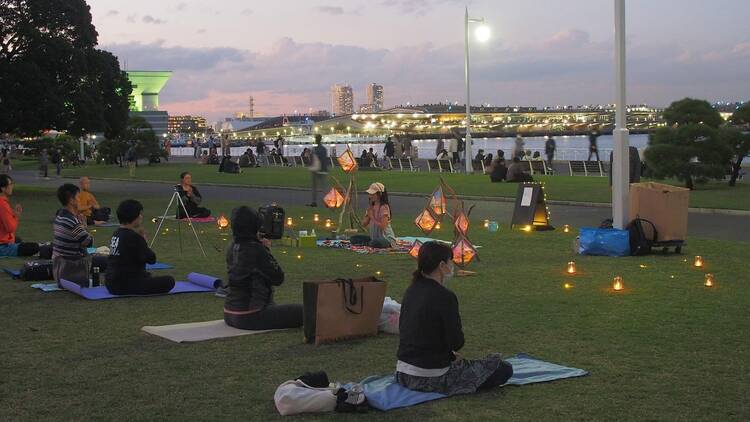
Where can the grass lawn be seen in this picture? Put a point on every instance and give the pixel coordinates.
(583, 189)
(666, 348)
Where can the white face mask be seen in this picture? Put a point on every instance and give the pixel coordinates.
(449, 276)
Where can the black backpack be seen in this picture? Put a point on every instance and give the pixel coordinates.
(640, 241)
(37, 270)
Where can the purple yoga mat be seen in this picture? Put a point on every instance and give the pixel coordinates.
(101, 292)
(204, 280)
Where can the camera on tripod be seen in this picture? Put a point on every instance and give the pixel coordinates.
(271, 221)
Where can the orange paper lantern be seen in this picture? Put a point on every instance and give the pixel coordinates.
(461, 222)
(414, 251)
(463, 252)
(222, 222)
(438, 202)
(334, 199)
(347, 161)
(426, 221)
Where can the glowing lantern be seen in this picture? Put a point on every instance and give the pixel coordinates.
(222, 222)
(289, 221)
(347, 161)
(463, 252)
(461, 222)
(328, 223)
(316, 218)
(571, 267)
(709, 281)
(414, 251)
(568, 286)
(334, 199)
(566, 228)
(437, 226)
(526, 228)
(486, 224)
(617, 284)
(426, 221)
(698, 262)
(438, 202)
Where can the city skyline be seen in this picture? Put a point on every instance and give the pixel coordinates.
(556, 54)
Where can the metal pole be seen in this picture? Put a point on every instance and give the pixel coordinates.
(467, 138)
(620, 154)
(82, 153)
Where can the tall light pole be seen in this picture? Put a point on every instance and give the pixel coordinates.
(483, 34)
(620, 154)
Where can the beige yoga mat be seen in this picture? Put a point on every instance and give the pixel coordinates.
(198, 331)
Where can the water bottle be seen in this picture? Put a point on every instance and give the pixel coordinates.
(95, 277)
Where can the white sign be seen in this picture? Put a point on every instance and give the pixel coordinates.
(526, 199)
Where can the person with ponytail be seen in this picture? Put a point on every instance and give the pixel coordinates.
(430, 334)
(378, 217)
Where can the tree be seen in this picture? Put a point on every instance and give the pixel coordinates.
(689, 110)
(139, 133)
(691, 153)
(739, 142)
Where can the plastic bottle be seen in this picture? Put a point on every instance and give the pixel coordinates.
(96, 282)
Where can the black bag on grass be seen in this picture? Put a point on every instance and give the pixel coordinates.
(37, 270)
(45, 250)
(640, 240)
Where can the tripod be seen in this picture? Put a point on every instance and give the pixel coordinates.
(180, 205)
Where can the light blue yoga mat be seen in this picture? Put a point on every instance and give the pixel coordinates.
(384, 393)
(45, 287)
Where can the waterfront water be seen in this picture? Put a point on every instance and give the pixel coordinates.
(568, 147)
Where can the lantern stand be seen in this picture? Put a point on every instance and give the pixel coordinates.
(178, 204)
(349, 209)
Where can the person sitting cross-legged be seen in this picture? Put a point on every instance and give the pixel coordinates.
(128, 255)
(70, 261)
(430, 334)
(10, 244)
(191, 197)
(88, 205)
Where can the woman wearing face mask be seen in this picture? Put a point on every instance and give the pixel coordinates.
(431, 334)
(378, 217)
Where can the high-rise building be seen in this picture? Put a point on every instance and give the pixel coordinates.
(342, 99)
(375, 96)
(251, 104)
(186, 124)
(144, 99)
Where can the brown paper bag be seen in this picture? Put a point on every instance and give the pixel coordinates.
(342, 308)
(664, 205)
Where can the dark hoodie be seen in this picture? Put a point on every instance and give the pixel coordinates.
(251, 268)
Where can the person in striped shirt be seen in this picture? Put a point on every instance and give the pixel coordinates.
(70, 239)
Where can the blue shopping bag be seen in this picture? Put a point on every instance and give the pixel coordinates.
(607, 242)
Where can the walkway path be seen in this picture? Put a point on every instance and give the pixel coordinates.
(704, 225)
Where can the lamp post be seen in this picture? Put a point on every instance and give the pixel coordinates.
(482, 35)
(620, 153)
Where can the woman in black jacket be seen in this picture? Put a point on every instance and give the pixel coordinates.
(253, 272)
(191, 197)
(430, 334)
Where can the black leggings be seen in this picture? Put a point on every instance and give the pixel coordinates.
(501, 375)
(142, 286)
(270, 318)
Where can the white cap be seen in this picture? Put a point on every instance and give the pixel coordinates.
(375, 187)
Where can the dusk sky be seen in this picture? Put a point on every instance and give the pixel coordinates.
(287, 54)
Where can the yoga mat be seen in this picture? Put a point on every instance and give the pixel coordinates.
(101, 292)
(194, 220)
(105, 224)
(384, 393)
(198, 331)
(151, 267)
(412, 239)
(204, 280)
(51, 287)
(13, 273)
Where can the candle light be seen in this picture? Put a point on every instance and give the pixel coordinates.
(378, 273)
(486, 224)
(698, 261)
(709, 281)
(571, 267)
(222, 222)
(566, 228)
(568, 286)
(328, 223)
(617, 284)
(289, 221)
(316, 218)
(526, 228)
(299, 256)
(437, 226)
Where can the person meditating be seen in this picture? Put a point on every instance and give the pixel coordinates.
(252, 274)
(128, 255)
(378, 217)
(191, 197)
(430, 334)
(89, 207)
(69, 258)
(10, 244)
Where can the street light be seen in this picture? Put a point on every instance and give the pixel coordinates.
(482, 34)
(620, 153)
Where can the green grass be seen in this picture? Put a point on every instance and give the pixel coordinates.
(666, 348)
(580, 189)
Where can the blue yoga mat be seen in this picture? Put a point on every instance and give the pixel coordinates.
(47, 287)
(384, 393)
(13, 273)
(197, 283)
(149, 267)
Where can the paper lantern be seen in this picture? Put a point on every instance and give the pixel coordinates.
(316, 218)
(347, 161)
(698, 262)
(571, 267)
(709, 280)
(438, 202)
(463, 252)
(334, 199)
(617, 284)
(461, 222)
(426, 221)
(493, 226)
(414, 251)
(222, 222)
(566, 228)
(486, 224)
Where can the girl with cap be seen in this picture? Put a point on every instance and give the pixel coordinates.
(430, 334)
(252, 274)
(378, 217)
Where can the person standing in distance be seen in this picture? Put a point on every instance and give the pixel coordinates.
(318, 168)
